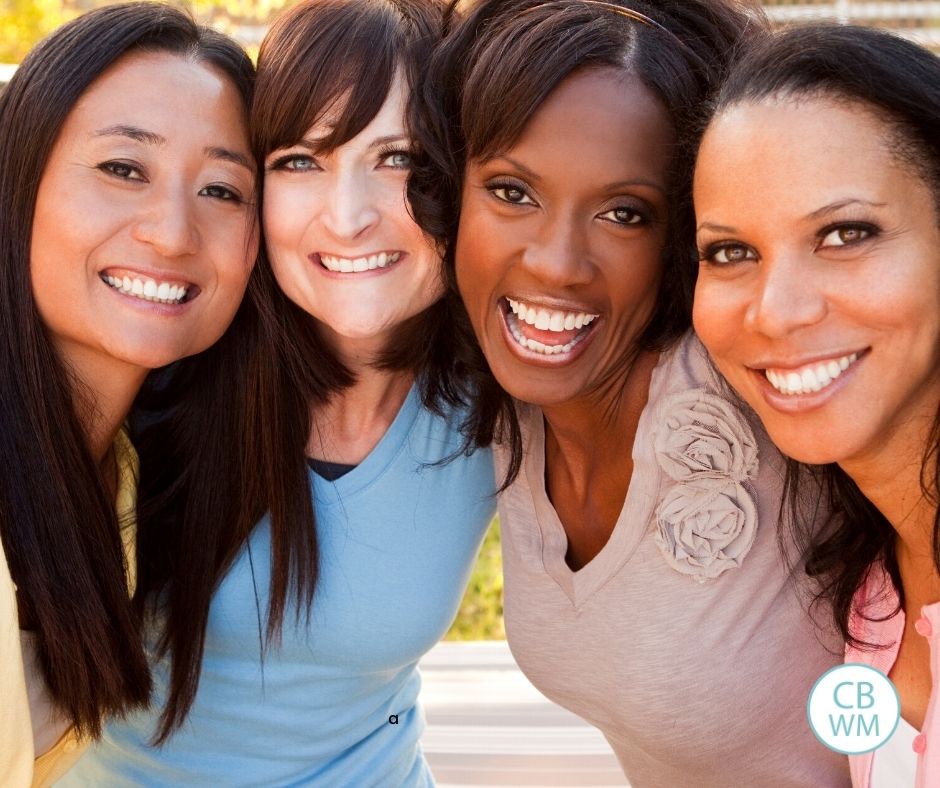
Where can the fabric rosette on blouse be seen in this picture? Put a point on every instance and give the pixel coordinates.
(707, 520)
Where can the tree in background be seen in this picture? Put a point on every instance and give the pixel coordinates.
(24, 22)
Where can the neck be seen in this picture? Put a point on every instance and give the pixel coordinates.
(899, 496)
(598, 429)
(350, 425)
(103, 392)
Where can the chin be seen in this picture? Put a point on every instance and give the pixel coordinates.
(817, 451)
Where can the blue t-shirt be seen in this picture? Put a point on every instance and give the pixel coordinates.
(336, 704)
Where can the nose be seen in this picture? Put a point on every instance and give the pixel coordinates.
(351, 209)
(789, 296)
(557, 253)
(170, 225)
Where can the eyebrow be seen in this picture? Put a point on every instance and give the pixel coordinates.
(530, 174)
(135, 133)
(313, 144)
(715, 228)
(379, 142)
(835, 206)
(819, 213)
(608, 187)
(152, 138)
(224, 154)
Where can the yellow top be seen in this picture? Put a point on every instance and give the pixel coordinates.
(17, 767)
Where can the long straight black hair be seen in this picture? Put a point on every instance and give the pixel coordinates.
(57, 520)
(900, 82)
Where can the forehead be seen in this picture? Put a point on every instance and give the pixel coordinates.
(600, 119)
(161, 92)
(794, 151)
(347, 109)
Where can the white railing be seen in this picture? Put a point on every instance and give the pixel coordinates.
(918, 20)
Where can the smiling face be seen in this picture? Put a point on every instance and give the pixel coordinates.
(144, 229)
(819, 291)
(341, 241)
(560, 243)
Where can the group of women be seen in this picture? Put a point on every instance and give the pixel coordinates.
(303, 329)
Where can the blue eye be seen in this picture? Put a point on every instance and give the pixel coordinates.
(396, 159)
(295, 162)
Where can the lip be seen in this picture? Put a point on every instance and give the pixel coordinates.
(803, 361)
(533, 358)
(557, 304)
(807, 401)
(314, 258)
(171, 277)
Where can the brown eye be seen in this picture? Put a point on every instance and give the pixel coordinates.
(729, 254)
(511, 194)
(845, 235)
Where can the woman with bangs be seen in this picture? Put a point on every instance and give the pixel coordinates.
(307, 514)
(644, 587)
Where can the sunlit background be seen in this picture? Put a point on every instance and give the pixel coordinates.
(24, 22)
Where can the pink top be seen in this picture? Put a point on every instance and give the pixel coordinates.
(877, 599)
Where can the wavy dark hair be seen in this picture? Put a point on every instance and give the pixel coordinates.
(900, 82)
(488, 78)
(223, 437)
(57, 520)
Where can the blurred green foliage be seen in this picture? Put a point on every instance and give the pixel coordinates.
(24, 22)
(481, 612)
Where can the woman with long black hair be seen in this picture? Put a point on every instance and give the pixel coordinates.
(127, 235)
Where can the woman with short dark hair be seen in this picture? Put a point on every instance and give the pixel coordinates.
(126, 239)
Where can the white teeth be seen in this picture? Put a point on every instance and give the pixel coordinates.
(812, 378)
(546, 320)
(549, 319)
(147, 289)
(348, 265)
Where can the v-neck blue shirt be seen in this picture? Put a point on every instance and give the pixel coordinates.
(398, 536)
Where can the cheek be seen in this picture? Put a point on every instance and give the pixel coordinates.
(473, 260)
(717, 314)
(285, 216)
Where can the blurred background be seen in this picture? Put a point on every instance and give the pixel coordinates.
(24, 22)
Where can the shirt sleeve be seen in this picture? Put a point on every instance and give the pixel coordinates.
(16, 733)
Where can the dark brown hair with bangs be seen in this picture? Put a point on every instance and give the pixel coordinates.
(299, 85)
(226, 433)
